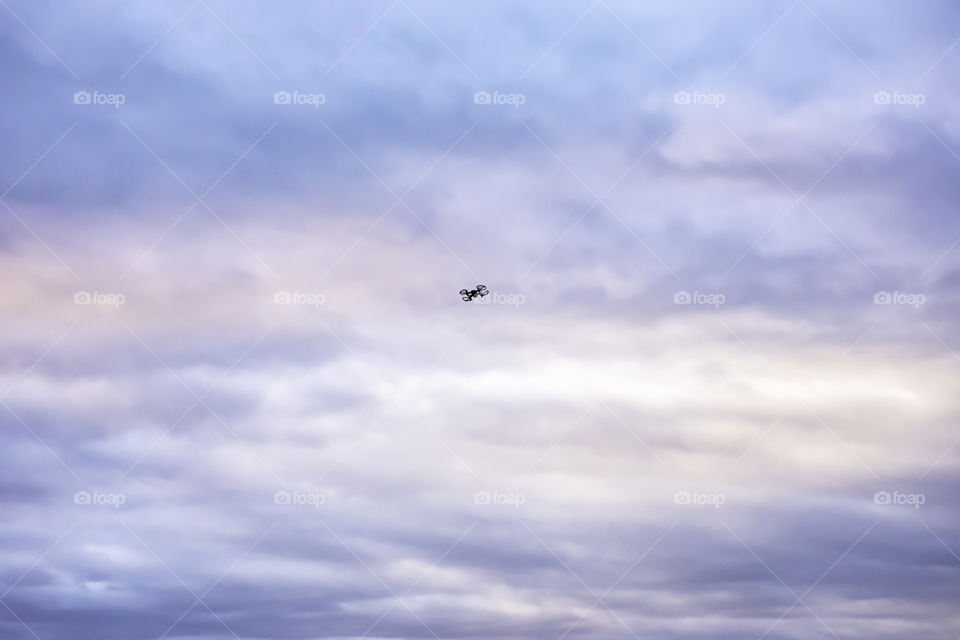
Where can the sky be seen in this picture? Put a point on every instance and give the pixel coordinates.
(712, 392)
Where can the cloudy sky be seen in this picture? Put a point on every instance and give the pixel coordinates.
(712, 394)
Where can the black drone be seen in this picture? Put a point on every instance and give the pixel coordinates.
(479, 292)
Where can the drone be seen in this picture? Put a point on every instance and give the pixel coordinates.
(479, 292)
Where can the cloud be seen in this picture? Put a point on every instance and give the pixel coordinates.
(241, 396)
